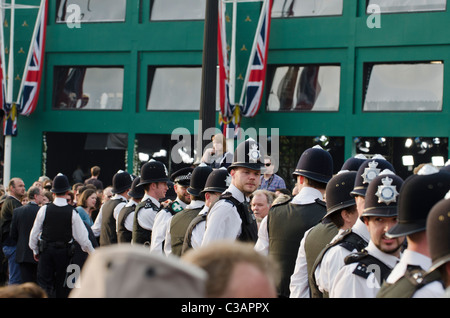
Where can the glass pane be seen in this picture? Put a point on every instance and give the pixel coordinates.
(177, 10)
(91, 11)
(88, 87)
(305, 8)
(305, 88)
(405, 87)
(390, 6)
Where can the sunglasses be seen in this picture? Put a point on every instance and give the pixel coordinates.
(268, 164)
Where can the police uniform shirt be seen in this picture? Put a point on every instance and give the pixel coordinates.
(307, 195)
(199, 230)
(97, 226)
(128, 223)
(195, 204)
(79, 231)
(223, 220)
(146, 217)
(349, 285)
(162, 221)
(431, 290)
(299, 286)
(333, 259)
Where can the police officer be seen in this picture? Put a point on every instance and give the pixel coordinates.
(418, 195)
(342, 213)
(125, 218)
(438, 234)
(180, 221)
(109, 211)
(218, 181)
(287, 222)
(181, 180)
(364, 272)
(55, 227)
(230, 217)
(154, 180)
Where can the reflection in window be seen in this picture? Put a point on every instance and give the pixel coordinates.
(404, 87)
(84, 87)
(177, 10)
(91, 10)
(304, 88)
(176, 88)
(306, 8)
(391, 6)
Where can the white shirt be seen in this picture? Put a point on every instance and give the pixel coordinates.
(195, 204)
(79, 231)
(146, 217)
(307, 195)
(162, 222)
(129, 220)
(199, 230)
(348, 285)
(224, 222)
(432, 290)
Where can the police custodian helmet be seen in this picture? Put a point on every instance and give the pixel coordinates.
(338, 192)
(367, 171)
(198, 179)
(315, 163)
(417, 196)
(153, 171)
(438, 233)
(218, 181)
(122, 181)
(382, 194)
(60, 184)
(248, 155)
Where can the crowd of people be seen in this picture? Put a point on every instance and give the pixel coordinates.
(228, 227)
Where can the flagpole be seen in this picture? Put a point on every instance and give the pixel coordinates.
(30, 51)
(232, 80)
(253, 52)
(9, 93)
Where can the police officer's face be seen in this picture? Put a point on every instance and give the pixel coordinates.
(378, 226)
(160, 190)
(246, 180)
(182, 193)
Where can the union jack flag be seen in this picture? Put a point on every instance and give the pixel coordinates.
(33, 73)
(256, 78)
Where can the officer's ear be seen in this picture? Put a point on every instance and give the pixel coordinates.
(300, 180)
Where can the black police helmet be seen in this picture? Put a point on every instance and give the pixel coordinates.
(60, 184)
(122, 181)
(248, 155)
(136, 191)
(337, 192)
(315, 163)
(438, 233)
(153, 171)
(368, 170)
(417, 196)
(353, 163)
(382, 194)
(198, 179)
(218, 181)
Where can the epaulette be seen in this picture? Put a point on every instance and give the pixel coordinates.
(350, 241)
(149, 204)
(322, 203)
(367, 264)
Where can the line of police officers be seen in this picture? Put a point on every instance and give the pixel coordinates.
(340, 236)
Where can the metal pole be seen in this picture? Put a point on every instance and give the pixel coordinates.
(209, 71)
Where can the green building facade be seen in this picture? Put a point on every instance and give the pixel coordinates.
(352, 76)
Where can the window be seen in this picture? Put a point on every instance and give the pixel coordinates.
(392, 6)
(306, 8)
(404, 87)
(177, 10)
(176, 88)
(91, 11)
(82, 87)
(304, 88)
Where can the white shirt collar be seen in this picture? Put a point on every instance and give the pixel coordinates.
(388, 259)
(307, 195)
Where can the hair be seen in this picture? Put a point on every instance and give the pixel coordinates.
(270, 196)
(25, 290)
(12, 182)
(224, 141)
(49, 195)
(315, 184)
(95, 170)
(336, 216)
(32, 191)
(84, 196)
(218, 259)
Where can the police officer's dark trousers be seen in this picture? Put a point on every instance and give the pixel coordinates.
(52, 270)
